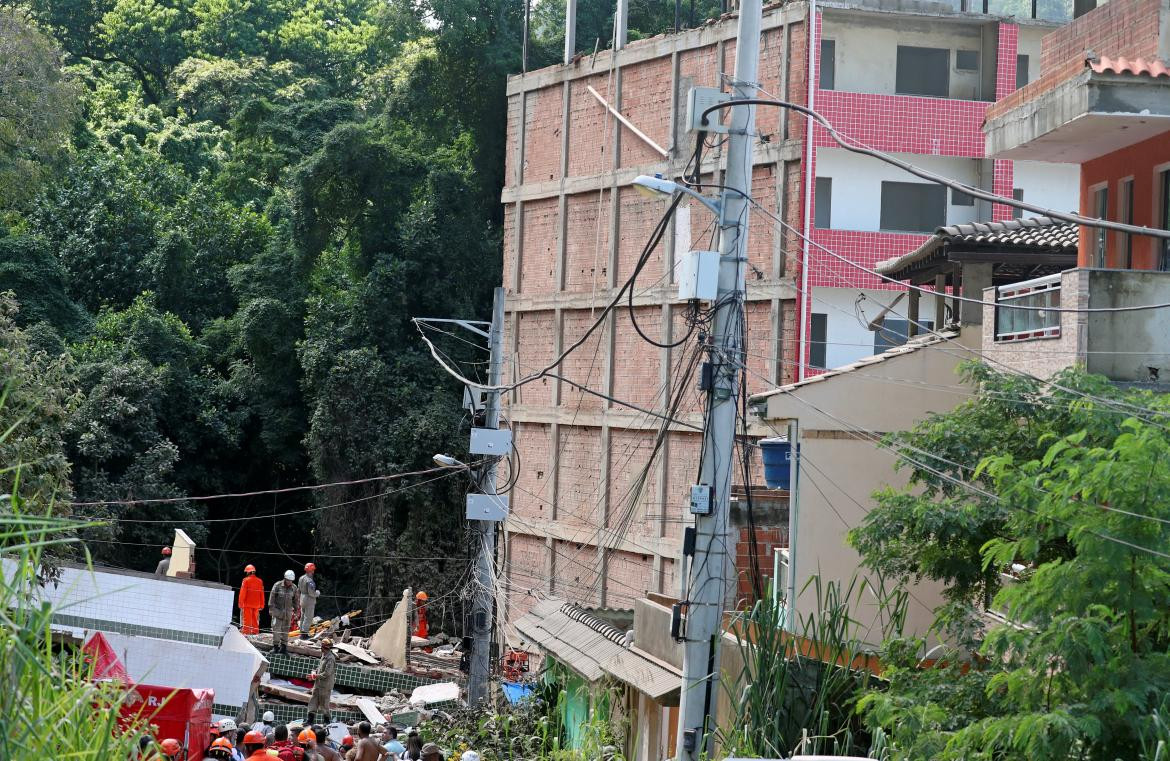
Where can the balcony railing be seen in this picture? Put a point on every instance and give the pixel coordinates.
(1015, 324)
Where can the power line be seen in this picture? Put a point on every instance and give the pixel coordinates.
(451, 472)
(236, 495)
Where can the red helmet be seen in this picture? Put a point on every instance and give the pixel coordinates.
(171, 746)
(347, 741)
(222, 742)
(167, 551)
(310, 567)
(306, 736)
(249, 568)
(255, 738)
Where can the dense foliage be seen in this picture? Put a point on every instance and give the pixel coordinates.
(1047, 510)
(217, 218)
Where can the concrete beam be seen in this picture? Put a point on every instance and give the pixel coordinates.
(589, 535)
(764, 153)
(758, 290)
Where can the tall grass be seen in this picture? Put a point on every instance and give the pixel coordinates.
(50, 710)
(798, 694)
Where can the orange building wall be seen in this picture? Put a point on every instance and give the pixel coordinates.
(1143, 162)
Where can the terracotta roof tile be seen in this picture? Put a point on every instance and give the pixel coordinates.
(1136, 66)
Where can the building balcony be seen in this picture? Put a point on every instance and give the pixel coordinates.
(1123, 346)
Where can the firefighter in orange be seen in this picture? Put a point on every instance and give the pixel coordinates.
(251, 601)
(420, 615)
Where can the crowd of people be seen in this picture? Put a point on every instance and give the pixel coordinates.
(266, 740)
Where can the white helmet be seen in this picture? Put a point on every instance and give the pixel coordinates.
(469, 755)
(268, 717)
(290, 576)
(227, 725)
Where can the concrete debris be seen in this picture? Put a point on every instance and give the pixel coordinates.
(370, 710)
(363, 655)
(428, 694)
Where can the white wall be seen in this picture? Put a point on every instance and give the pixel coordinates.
(130, 597)
(848, 339)
(1028, 43)
(227, 669)
(1055, 186)
(857, 185)
(867, 51)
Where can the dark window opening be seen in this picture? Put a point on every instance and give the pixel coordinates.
(817, 341)
(1164, 244)
(828, 80)
(1127, 217)
(1021, 71)
(913, 207)
(1100, 235)
(923, 71)
(959, 198)
(967, 60)
(894, 332)
(1017, 194)
(823, 203)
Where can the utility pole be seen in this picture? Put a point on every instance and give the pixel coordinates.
(484, 602)
(711, 566)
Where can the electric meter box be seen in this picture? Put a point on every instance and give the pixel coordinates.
(699, 99)
(698, 276)
(701, 499)
(491, 441)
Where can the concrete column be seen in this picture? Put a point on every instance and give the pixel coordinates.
(912, 313)
(940, 301)
(976, 277)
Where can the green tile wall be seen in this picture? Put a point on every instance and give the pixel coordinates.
(138, 630)
(358, 677)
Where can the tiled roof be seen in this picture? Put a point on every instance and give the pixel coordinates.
(593, 648)
(912, 345)
(1040, 232)
(1136, 66)
(1029, 233)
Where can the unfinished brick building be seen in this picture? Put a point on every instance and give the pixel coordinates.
(587, 523)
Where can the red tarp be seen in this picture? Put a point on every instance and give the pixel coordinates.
(105, 661)
(183, 714)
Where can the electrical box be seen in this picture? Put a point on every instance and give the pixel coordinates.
(487, 507)
(701, 499)
(699, 99)
(473, 399)
(698, 276)
(491, 441)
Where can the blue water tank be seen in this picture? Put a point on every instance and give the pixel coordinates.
(777, 455)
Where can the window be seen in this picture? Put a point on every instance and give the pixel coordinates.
(913, 207)
(818, 339)
(923, 71)
(967, 60)
(828, 64)
(1018, 194)
(959, 198)
(823, 203)
(893, 332)
(1164, 200)
(1021, 71)
(1100, 237)
(1125, 209)
(1017, 324)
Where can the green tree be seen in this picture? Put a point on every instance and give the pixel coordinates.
(38, 104)
(1081, 666)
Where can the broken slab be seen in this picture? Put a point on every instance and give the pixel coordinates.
(370, 710)
(440, 692)
(389, 641)
(363, 655)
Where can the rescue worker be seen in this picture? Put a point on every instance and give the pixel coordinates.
(281, 600)
(322, 678)
(163, 565)
(285, 749)
(220, 750)
(171, 748)
(420, 615)
(251, 601)
(309, 594)
(307, 739)
(266, 724)
(254, 746)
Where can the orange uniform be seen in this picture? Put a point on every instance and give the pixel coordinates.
(251, 603)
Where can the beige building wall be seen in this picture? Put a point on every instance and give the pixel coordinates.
(842, 416)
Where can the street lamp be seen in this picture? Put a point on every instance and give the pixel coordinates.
(447, 461)
(653, 187)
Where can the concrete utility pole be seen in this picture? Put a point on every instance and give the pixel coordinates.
(483, 604)
(711, 566)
